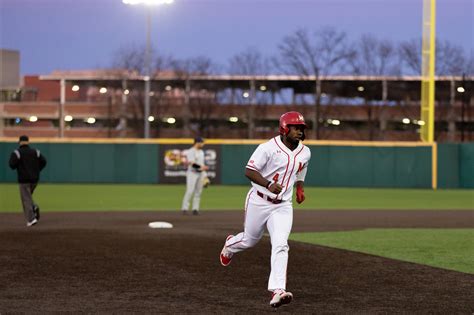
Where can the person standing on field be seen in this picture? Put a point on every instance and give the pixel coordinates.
(195, 176)
(273, 169)
(28, 162)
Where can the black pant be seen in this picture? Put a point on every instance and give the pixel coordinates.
(26, 194)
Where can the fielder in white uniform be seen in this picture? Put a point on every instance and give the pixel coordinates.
(195, 176)
(274, 168)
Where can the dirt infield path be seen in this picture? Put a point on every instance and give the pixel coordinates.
(112, 262)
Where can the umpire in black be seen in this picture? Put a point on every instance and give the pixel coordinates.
(28, 163)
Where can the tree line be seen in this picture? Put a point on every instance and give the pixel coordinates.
(326, 51)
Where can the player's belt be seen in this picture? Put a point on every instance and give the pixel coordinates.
(275, 201)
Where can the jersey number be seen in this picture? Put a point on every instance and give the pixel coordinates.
(275, 178)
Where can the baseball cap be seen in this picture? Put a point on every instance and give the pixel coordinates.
(23, 138)
(198, 140)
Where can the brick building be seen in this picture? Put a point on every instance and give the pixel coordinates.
(109, 103)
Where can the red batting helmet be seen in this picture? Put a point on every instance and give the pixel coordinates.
(290, 118)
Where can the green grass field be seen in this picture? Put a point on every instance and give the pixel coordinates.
(88, 197)
(444, 248)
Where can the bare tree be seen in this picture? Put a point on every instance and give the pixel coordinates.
(132, 58)
(470, 64)
(323, 53)
(374, 57)
(410, 55)
(200, 65)
(249, 62)
(195, 109)
(450, 59)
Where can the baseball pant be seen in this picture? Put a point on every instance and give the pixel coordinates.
(278, 218)
(194, 181)
(26, 194)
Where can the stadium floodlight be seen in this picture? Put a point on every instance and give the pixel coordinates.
(146, 122)
(75, 88)
(33, 119)
(151, 118)
(233, 119)
(461, 89)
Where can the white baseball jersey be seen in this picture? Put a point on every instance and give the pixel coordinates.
(194, 156)
(194, 179)
(276, 162)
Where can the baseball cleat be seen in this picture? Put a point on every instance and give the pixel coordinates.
(32, 223)
(226, 255)
(195, 212)
(280, 297)
(36, 211)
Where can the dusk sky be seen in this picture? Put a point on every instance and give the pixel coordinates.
(85, 34)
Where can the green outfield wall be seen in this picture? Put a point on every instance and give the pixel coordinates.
(456, 165)
(331, 165)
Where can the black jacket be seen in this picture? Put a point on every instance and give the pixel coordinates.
(28, 163)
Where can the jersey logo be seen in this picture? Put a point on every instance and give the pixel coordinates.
(278, 151)
(251, 161)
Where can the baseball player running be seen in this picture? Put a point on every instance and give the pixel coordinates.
(195, 176)
(273, 169)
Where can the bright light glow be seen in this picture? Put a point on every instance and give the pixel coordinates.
(360, 89)
(461, 89)
(151, 93)
(75, 88)
(233, 119)
(147, 2)
(421, 122)
(329, 121)
(406, 121)
(90, 120)
(126, 92)
(246, 94)
(168, 88)
(68, 118)
(336, 122)
(146, 78)
(171, 120)
(103, 90)
(263, 88)
(33, 118)
(151, 118)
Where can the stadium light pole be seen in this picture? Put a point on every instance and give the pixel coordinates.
(147, 77)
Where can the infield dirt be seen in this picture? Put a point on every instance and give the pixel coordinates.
(112, 262)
